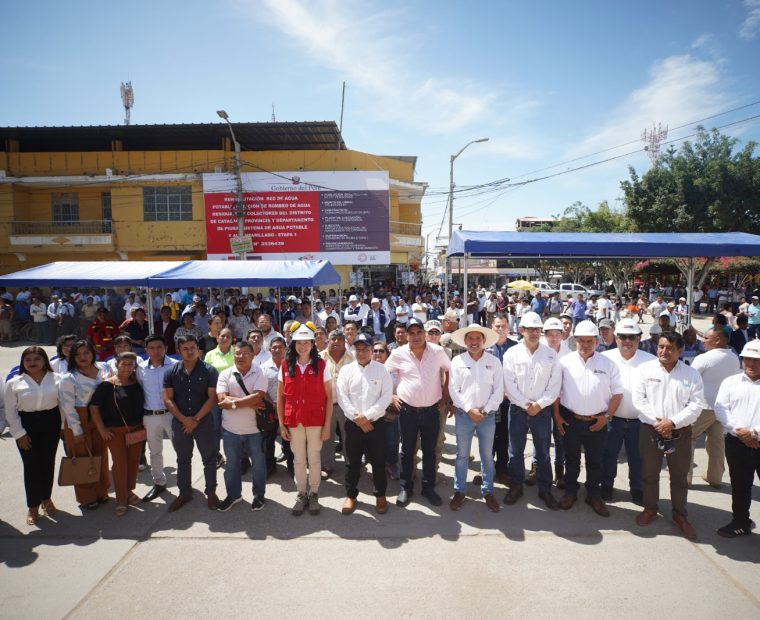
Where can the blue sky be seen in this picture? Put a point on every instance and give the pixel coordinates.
(546, 82)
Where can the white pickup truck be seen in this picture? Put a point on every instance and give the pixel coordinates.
(564, 289)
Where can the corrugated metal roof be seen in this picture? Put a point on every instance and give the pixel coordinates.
(308, 135)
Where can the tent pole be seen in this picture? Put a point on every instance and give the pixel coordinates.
(690, 290)
(150, 311)
(446, 283)
(465, 294)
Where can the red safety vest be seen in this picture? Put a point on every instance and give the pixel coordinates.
(304, 396)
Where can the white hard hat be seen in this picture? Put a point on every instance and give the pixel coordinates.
(531, 319)
(303, 332)
(655, 330)
(664, 313)
(353, 298)
(553, 323)
(751, 349)
(586, 328)
(627, 326)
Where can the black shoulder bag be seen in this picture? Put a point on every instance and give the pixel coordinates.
(266, 419)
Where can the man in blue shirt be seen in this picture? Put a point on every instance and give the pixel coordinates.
(577, 309)
(538, 304)
(190, 395)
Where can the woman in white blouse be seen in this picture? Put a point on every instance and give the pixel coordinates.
(80, 435)
(60, 364)
(31, 405)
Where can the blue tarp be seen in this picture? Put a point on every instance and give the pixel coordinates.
(271, 273)
(89, 273)
(601, 245)
(170, 274)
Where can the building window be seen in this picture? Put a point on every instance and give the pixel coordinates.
(65, 208)
(105, 209)
(169, 203)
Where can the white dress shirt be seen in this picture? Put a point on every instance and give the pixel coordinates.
(152, 380)
(22, 393)
(588, 387)
(532, 377)
(262, 357)
(737, 404)
(627, 370)
(241, 420)
(75, 390)
(476, 384)
(715, 366)
(420, 381)
(364, 390)
(677, 395)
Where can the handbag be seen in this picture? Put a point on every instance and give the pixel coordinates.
(131, 437)
(266, 419)
(79, 470)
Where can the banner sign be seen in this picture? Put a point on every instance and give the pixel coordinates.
(340, 216)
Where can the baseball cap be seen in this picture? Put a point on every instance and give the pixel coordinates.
(566, 315)
(607, 323)
(586, 328)
(627, 326)
(450, 315)
(751, 349)
(415, 323)
(531, 319)
(196, 299)
(664, 313)
(353, 298)
(553, 323)
(375, 300)
(433, 324)
(363, 338)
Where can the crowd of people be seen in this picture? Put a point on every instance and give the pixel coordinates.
(237, 375)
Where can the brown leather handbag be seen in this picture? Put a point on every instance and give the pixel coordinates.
(131, 437)
(79, 470)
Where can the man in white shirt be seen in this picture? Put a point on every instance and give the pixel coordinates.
(265, 325)
(716, 364)
(476, 388)
(669, 396)
(624, 426)
(241, 390)
(737, 407)
(356, 311)
(364, 390)
(256, 338)
(532, 382)
(38, 312)
(591, 393)
(657, 307)
(156, 419)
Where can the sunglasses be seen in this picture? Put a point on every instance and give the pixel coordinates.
(434, 332)
(627, 336)
(379, 351)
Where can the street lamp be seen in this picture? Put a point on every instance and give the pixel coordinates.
(451, 212)
(238, 181)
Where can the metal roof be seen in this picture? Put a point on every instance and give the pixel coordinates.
(308, 135)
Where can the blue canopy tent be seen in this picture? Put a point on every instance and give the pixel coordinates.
(611, 246)
(271, 273)
(89, 273)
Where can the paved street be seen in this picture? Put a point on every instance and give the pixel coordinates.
(415, 562)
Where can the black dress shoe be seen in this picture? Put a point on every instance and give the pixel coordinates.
(403, 498)
(433, 497)
(282, 458)
(154, 492)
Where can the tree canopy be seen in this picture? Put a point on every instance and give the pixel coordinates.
(701, 187)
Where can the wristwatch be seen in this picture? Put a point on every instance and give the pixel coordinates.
(234, 405)
(607, 416)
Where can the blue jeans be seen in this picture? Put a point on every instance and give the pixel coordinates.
(419, 422)
(392, 438)
(233, 451)
(216, 415)
(540, 427)
(559, 447)
(620, 431)
(465, 429)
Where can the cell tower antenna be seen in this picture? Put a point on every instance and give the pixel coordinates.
(652, 140)
(274, 120)
(128, 99)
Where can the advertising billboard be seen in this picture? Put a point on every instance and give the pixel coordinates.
(340, 216)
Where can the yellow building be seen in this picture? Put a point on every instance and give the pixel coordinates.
(136, 193)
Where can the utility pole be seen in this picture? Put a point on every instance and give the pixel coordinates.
(238, 182)
(451, 213)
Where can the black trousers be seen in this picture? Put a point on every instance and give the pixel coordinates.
(422, 422)
(578, 435)
(355, 444)
(205, 437)
(743, 464)
(501, 438)
(44, 431)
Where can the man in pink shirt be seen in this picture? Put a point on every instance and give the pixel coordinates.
(422, 370)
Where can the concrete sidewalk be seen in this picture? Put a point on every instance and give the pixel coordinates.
(416, 562)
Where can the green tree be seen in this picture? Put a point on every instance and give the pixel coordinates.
(706, 186)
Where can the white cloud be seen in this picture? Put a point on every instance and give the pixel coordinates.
(681, 89)
(751, 24)
(375, 53)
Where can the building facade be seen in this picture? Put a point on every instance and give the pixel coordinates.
(136, 192)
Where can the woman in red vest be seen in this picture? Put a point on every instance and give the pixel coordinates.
(304, 408)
